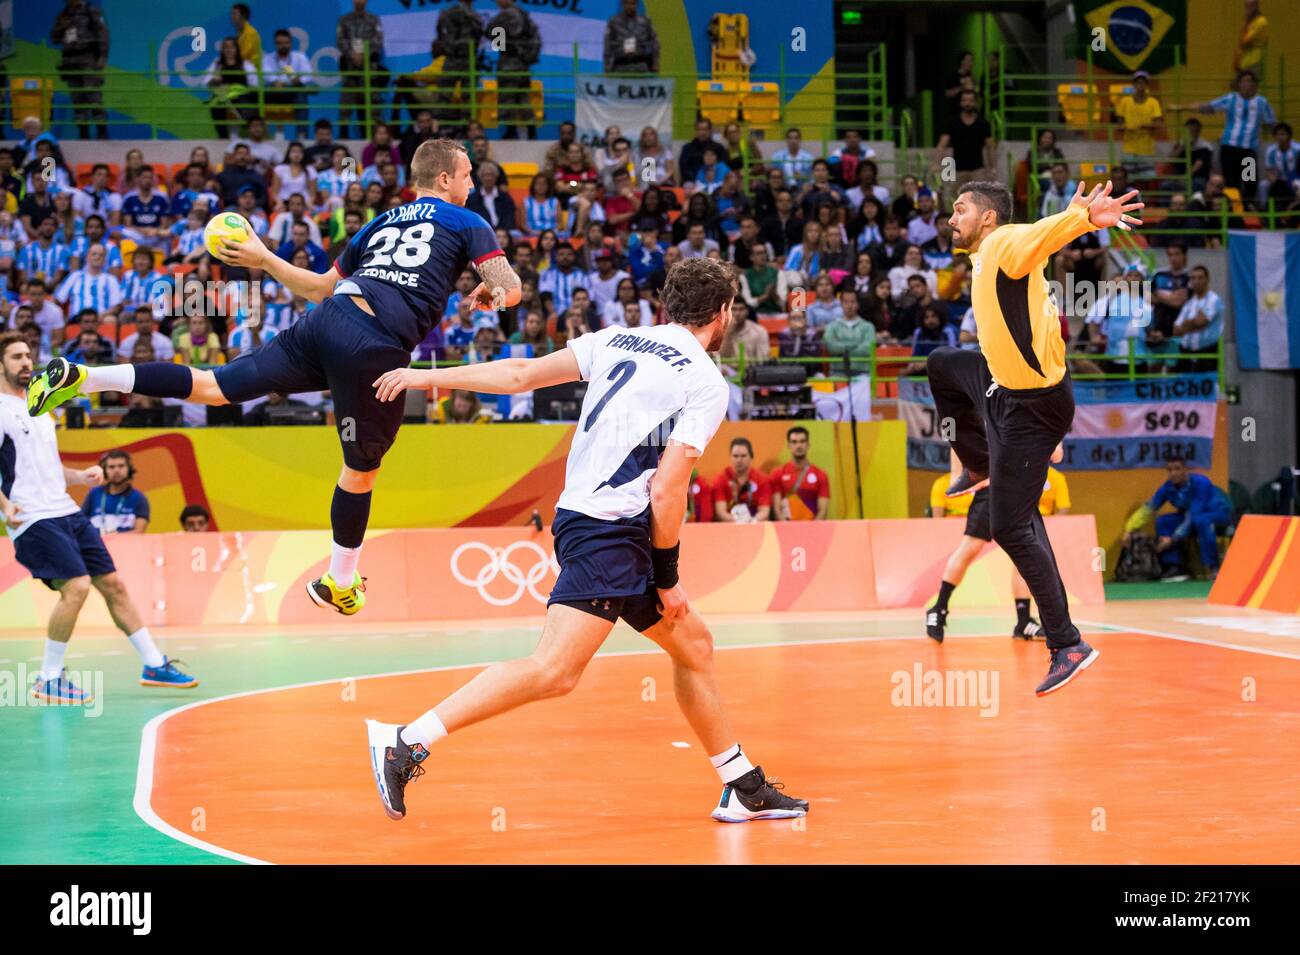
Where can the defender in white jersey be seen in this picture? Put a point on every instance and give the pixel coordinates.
(654, 401)
(56, 542)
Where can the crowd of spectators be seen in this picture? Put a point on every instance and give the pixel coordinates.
(833, 258)
(832, 261)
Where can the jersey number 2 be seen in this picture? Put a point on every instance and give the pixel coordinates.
(623, 371)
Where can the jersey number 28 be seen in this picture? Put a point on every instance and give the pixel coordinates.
(391, 246)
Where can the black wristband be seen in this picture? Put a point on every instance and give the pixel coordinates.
(664, 561)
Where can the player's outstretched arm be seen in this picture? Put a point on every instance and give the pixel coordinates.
(1026, 246)
(253, 254)
(508, 376)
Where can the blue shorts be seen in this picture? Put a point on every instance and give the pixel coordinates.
(60, 548)
(605, 567)
(335, 347)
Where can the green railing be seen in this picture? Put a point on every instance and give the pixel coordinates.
(1135, 365)
(828, 368)
(1019, 102)
(164, 102)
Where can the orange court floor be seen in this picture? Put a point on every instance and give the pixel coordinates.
(1178, 746)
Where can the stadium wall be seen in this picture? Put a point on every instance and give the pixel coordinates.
(281, 478)
(257, 578)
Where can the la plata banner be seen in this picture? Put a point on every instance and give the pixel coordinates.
(630, 104)
(1117, 424)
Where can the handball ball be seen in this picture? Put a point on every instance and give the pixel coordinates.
(226, 225)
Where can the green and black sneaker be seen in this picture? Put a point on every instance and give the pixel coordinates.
(60, 381)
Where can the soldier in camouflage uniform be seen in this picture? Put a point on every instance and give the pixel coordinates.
(520, 51)
(459, 29)
(631, 45)
(82, 33)
(358, 33)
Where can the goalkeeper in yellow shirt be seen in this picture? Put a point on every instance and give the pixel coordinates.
(1008, 406)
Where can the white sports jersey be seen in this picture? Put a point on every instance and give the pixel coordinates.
(647, 385)
(31, 473)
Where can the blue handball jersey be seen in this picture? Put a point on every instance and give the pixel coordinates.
(405, 263)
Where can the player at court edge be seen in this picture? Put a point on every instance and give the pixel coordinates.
(1011, 403)
(377, 302)
(655, 401)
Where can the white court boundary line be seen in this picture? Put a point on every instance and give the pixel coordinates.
(142, 802)
(1184, 638)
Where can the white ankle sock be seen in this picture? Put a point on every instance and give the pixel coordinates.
(144, 645)
(53, 664)
(109, 378)
(731, 764)
(343, 563)
(426, 731)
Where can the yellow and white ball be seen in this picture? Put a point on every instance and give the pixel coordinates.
(226, 225)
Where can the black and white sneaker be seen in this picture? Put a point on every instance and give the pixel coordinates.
(1175, 574)
(754, 796)
(394, 764)
(1028, 630)
(935, 621)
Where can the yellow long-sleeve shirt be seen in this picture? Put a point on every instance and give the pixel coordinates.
(1018, 324)
(1252, 44)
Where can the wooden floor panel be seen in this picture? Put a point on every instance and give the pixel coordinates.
(1152, 756)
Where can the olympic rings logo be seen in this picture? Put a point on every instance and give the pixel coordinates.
(499, 564)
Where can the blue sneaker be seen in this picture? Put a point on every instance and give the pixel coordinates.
(167, 675)
(1067, 663)
(60, 690)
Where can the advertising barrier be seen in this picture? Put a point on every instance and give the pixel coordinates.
(258, 577)
(1262, 566)
(282, 478)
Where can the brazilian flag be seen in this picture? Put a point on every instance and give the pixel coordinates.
(1133, 34)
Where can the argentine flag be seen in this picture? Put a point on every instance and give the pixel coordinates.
(1266, 298)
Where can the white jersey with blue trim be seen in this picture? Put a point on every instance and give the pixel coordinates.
(31, 472)
(647, 385)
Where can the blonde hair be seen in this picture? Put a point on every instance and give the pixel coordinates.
(432, 159)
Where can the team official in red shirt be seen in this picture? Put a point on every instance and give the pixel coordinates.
(699, 500)
(802, 489)
(742, 483)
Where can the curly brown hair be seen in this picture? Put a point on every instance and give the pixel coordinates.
(697, 289)
(11, 338)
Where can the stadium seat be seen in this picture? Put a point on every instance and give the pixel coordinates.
(520, 173)
(1074, 100)
(1022, 183)
(762, 104)
(30, 96)
(1093, 173)
(1233, 195)
(1117, 91)
(84, 171)
(518, 193)
(719, 100)
(486, 110)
